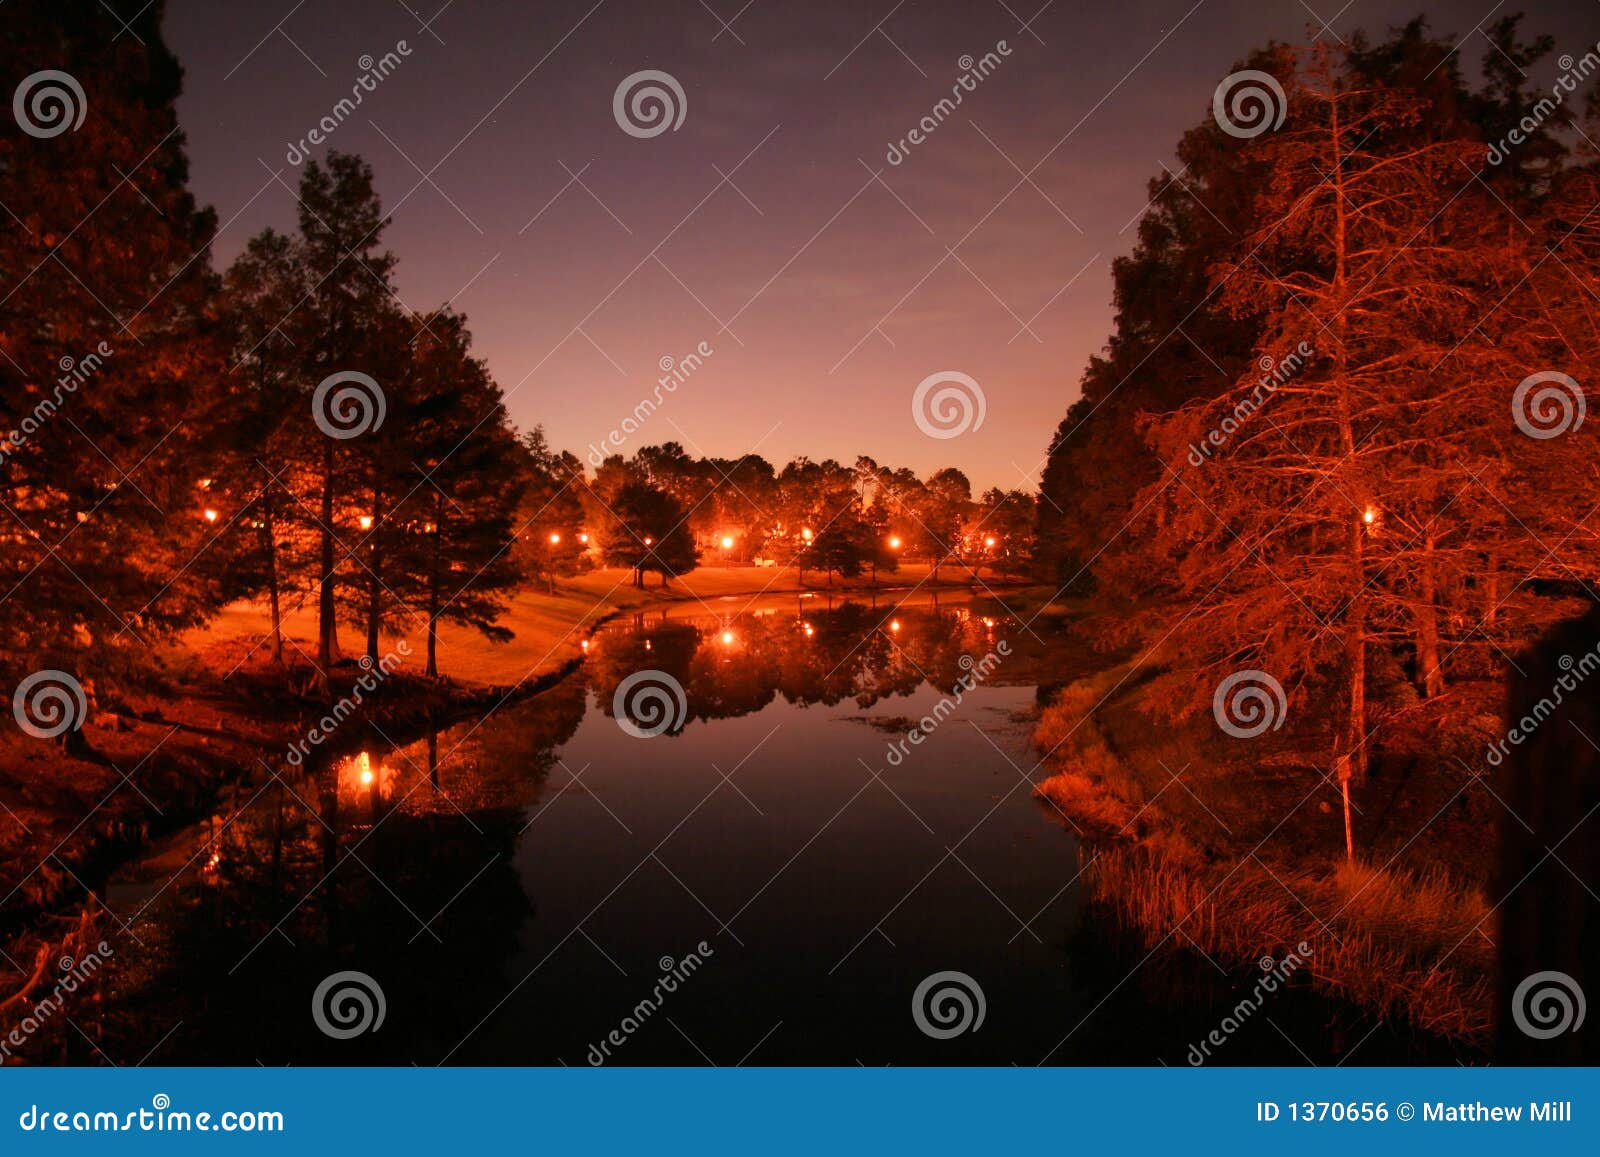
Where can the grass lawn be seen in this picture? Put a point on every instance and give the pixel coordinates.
(548, 629)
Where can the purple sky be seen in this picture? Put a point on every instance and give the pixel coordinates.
(826, 295)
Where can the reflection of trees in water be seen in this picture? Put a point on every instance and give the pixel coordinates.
(811, 654)
(396, 862)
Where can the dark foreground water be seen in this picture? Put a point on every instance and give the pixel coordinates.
(769, 880)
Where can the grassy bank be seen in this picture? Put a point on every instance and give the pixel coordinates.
(1234, 849)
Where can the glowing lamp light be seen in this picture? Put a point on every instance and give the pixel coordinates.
(211, 515)
(727, 638)
(648, 541)
(894, 542)
(989, 541)
(366, 522)
(1368, 516)
(555, 539)
(583, 537)
(727, 542)
(806, 534)
(894, 624)
(366, 776)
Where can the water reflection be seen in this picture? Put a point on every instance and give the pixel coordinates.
(512, 882)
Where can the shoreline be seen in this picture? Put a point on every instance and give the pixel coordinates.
(1392, 939)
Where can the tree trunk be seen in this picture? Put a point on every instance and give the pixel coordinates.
(1430, 672)
(327, 639)
(374, 586)
(270, 529)
(432, 669)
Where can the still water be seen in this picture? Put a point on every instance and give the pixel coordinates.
(766, 881)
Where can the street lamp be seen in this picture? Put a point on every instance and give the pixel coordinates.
(211, 515)
(555, 539)
(894, 542)
(366, 522)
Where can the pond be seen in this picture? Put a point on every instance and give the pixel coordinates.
(797, 833)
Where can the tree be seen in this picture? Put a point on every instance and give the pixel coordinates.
(455, 527)
(107, 363)
(646, 530)
(1298, 539)
(550, 518)
(341, 224)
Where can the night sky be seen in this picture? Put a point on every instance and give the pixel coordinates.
(583, 255)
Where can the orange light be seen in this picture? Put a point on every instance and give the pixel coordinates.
(366, 775)
(648, 541)
(806, 534)
(727, 542)
(583, 537)
(727, 638)
(894, 542)
(366, 522)
(555, 539)
(989, 541)
(211, 515)
(894, 624)
(1368, 516)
